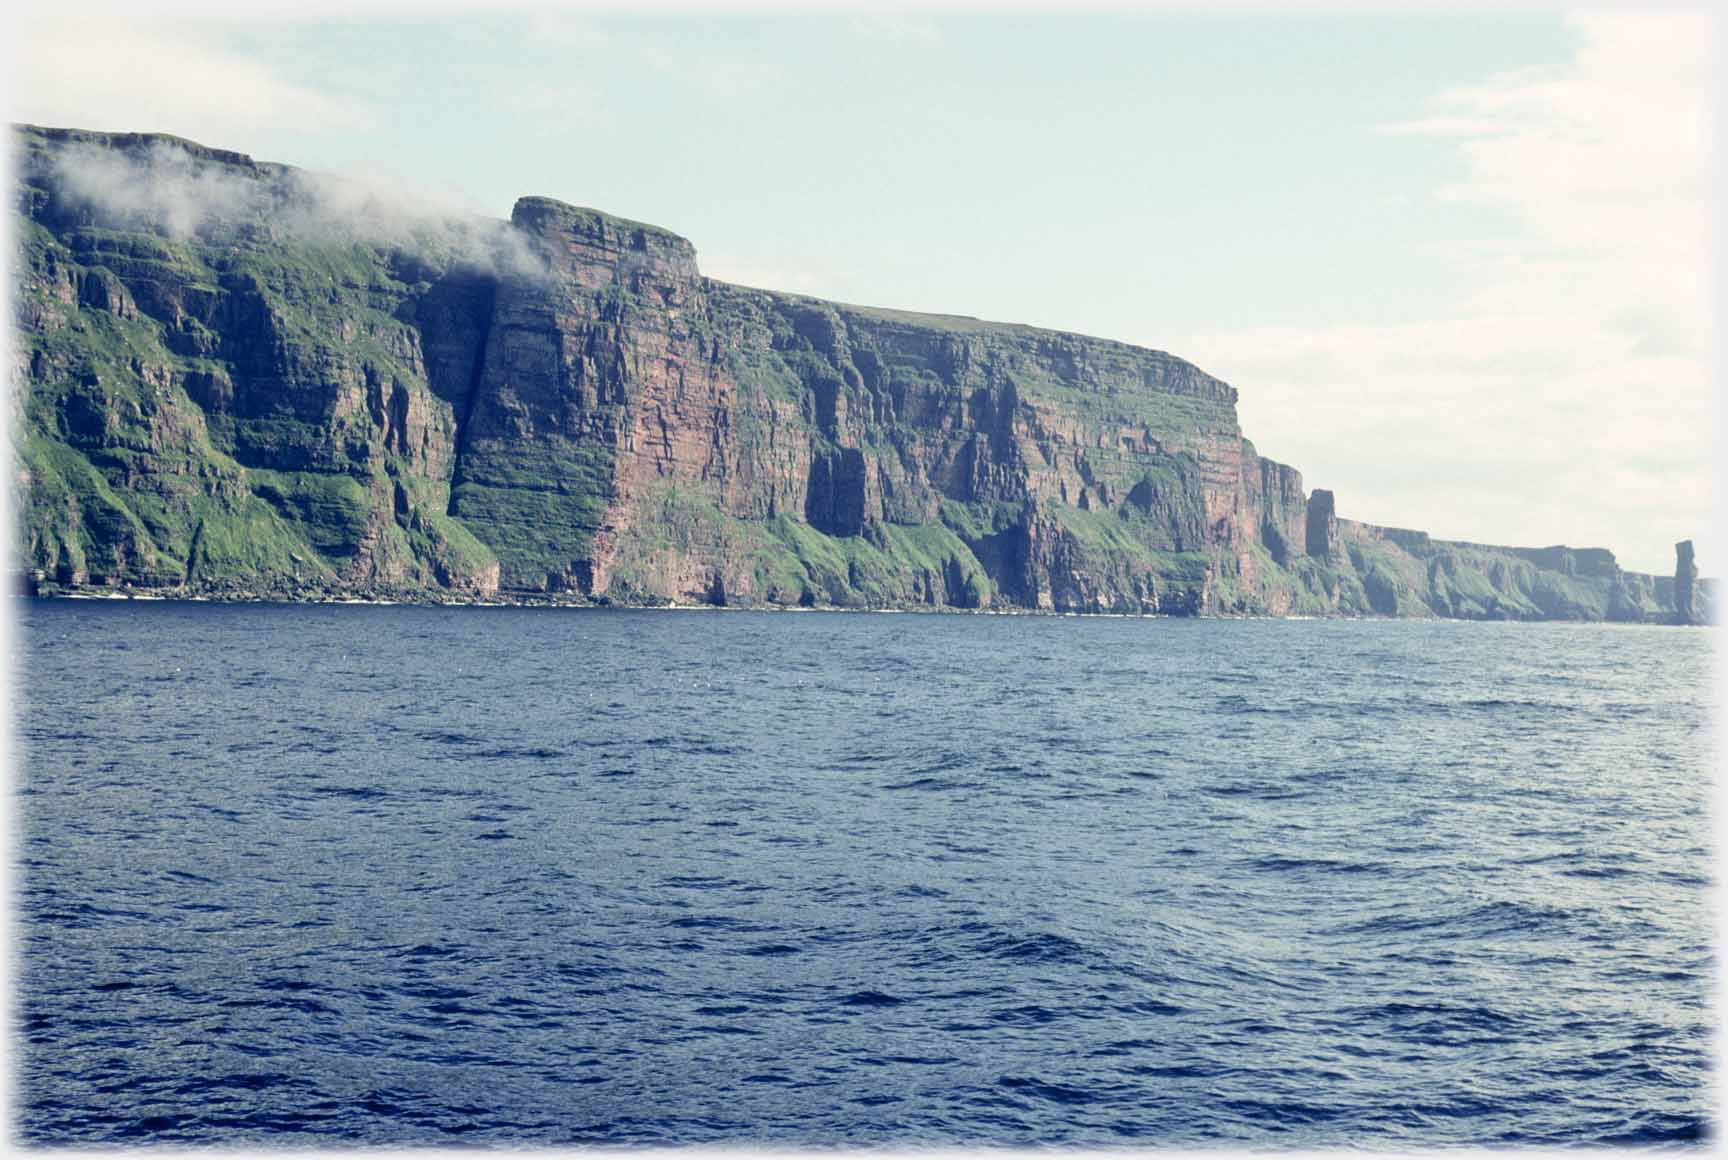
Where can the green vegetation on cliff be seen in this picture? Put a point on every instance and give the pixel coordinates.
(233, 381)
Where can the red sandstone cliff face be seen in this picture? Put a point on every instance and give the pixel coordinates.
(574, 410)
(637, 430)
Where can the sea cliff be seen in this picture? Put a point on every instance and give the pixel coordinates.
(233, 381)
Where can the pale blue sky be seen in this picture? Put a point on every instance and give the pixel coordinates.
(1456, 264)
(1112, 174)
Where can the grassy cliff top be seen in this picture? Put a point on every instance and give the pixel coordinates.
(953, 323)
(539, 213)
(43, 138)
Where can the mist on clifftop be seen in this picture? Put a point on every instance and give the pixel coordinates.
(165, 187)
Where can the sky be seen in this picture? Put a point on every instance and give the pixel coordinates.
(1459, 266)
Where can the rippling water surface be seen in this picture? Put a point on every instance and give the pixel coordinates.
(316, 875)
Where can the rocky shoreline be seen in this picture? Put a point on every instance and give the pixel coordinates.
(435, 598)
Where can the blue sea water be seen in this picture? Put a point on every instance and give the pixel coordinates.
(317, 875)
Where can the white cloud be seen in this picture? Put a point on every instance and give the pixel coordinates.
(164, 186)
(1567, 396)
(568, 31)
(715, 73)
(895, 28)
(571, 91)
(101, 69)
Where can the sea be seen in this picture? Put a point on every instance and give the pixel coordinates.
(315, 875)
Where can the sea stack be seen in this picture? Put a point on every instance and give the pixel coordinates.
(1685, 583)
(1322, 525)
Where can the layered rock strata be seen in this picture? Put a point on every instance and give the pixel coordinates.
(244, 404)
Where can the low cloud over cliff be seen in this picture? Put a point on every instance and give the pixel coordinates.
(164, 186)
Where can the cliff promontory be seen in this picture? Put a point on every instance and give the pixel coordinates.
(236, 379)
